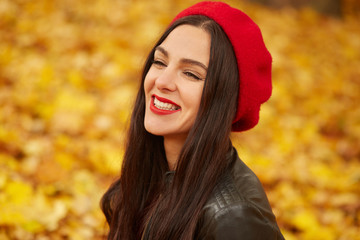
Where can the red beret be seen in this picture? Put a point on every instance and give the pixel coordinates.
(253, 59)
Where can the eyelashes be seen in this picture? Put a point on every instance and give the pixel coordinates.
(159, 63)
(190, 74)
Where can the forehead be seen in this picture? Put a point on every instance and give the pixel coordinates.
(187, 41)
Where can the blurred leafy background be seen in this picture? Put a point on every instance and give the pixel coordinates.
(68, 76)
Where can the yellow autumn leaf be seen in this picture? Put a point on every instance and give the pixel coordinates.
(69, 72)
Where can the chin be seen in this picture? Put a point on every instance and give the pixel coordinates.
(155, 130)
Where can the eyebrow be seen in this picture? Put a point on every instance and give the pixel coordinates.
(183, 60)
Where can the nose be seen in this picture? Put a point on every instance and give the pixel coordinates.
(165, 81)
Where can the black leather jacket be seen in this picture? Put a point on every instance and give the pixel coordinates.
(238, 208)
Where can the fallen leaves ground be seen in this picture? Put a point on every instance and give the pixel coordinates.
(68, 75)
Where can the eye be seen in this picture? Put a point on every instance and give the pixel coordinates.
(158, 63)
(193, 75)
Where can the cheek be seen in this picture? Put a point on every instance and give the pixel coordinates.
(197, 92)
(198, 95)
(193, 95)
(148, 83)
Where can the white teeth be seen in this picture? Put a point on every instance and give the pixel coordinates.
(164, 106)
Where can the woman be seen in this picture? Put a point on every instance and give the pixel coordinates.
(181, 178)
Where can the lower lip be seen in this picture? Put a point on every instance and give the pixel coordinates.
(160, 111)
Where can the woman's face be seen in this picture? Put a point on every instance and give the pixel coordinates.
(174, 83)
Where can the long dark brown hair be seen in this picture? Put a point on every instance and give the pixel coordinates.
(141, 200)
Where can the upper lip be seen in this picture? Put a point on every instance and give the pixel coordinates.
(165, 100)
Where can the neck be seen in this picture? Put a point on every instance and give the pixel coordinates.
(173, 147)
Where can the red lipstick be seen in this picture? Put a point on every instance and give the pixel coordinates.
(164, 100)
(159, 111)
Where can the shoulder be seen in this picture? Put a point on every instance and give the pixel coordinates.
(238, 207)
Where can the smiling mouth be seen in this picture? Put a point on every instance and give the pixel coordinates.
(165, 105)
